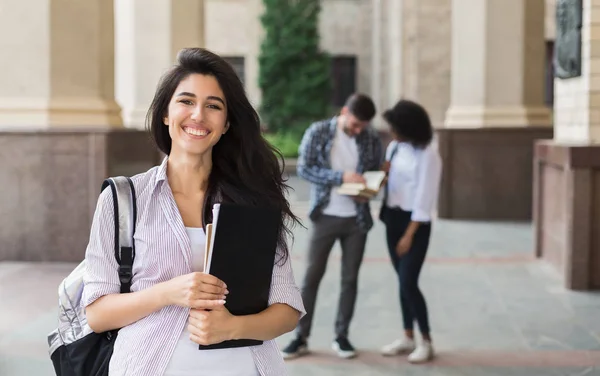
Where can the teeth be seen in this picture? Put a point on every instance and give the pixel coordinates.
(196, 132)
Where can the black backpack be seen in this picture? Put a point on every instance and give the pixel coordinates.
(75, 350)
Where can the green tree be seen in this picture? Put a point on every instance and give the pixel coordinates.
(293, 72)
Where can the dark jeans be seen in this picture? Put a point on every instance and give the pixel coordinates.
(326, 230)
(408, 267)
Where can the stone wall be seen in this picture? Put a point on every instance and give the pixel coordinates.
(345, 30)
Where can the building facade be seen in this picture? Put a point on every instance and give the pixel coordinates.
(517, 143)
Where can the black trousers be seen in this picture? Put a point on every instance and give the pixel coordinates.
(408, 266)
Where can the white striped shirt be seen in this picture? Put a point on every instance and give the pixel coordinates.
(162, 252)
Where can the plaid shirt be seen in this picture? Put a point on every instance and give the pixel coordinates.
(314, 165)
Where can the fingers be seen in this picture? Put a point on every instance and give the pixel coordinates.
(207, 303)
(197, 314)
(199, 328)
(208, 296)
(209, 284)
(401, 249)
(358, 179)
(203, 339)
(211, 280)
(212, 289)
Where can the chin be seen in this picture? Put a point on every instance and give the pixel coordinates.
(190, 150)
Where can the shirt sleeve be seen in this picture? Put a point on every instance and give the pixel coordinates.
(308, 166)
(429, 173)
(101, 276)
(283, 286)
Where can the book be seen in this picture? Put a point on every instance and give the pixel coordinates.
(241, 246)
(374, 182)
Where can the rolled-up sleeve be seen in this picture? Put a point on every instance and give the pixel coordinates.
(101, 273)
(283, 286)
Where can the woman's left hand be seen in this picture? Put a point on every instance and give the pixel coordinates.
(210, 327)
(404, 245)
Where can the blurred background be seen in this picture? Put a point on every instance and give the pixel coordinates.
(512, 87)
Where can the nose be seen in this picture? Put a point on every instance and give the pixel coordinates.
(196, 114)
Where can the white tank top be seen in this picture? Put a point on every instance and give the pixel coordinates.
(188, 360)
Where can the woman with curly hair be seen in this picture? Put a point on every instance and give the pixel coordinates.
(414, 171)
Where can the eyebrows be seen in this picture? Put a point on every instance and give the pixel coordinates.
(210, 97)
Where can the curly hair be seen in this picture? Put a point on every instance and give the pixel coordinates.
(410, 121)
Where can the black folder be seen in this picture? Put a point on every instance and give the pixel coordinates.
(244, 247)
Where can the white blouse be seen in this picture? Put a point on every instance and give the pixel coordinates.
(414, 179)
(162, 252)
(188, 360)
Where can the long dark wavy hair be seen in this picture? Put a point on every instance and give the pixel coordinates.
(246, 169)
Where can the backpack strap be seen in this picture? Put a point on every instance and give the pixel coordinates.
(125, 214)
(392, 155)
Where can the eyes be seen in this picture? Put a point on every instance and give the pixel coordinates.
(189, 102)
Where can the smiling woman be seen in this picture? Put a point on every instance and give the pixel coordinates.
(197, 116)
(202, 120)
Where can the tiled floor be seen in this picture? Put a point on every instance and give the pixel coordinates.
(495, 311)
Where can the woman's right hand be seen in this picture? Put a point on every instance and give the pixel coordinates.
(196, 290)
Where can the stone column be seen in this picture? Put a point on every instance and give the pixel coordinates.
(426, 48)
(149, 35)
(496, 110)
(497, 64)
(241, 41)
(567, 168)
(411, 59)
(57, 69)
(61, 132)
(377, 62)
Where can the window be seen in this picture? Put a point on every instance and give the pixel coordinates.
(343, 77)
(237, 63)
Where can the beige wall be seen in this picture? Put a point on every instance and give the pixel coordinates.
(233, 28)
(550, 22)
(345, 30)
(577, 103)
(426, 55)
(403, 47)
(395, 37)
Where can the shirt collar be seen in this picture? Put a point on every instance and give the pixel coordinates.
(333, 126)
(161, 173)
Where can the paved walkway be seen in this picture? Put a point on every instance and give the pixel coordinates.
(495, 311)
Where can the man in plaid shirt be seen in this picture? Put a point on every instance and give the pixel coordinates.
(332, 152)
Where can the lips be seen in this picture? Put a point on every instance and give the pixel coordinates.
(195, 131)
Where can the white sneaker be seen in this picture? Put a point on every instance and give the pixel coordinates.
(399, 346)
(423, 353)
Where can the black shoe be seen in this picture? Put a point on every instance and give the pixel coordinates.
(296, 348)
(343, 348)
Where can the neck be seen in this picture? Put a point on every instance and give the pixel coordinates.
(340, 120)
(341, 124)
(188, 174)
